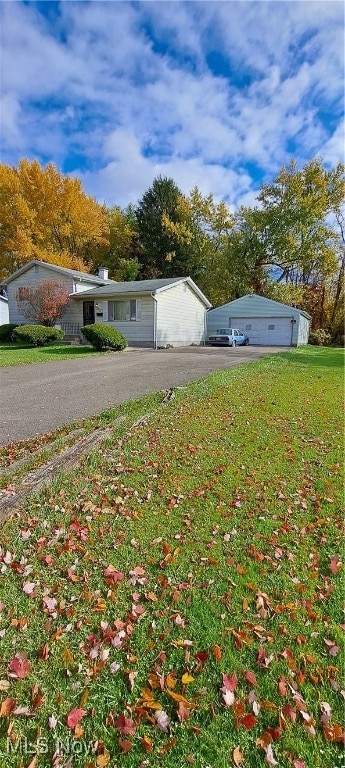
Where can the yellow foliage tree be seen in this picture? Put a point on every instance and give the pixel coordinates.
(47, 216)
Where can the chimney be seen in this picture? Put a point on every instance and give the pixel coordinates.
(103, 273)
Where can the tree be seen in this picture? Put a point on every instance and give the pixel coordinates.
(163, 255)
(292, 235)
(122, 257)
(44, 303)
(46, 215)
(202, 228)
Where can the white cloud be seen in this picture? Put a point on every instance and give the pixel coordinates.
(128, 90)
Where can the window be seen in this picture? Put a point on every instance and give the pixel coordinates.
(271, 327)
(124, 311)
(248, 327)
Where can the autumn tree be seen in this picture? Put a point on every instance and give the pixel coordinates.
(44, 303)
(163, 255)
(122, 256)
(46, 215)
(202, 227)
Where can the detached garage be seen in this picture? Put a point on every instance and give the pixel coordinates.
(266, 322)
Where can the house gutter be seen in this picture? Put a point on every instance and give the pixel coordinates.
(154, 321)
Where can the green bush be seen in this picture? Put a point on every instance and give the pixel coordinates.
(320, 338)
(6, 331)
(37, 335)
(102, 336)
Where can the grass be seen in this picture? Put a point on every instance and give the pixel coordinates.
(17, 353)
(230, 500)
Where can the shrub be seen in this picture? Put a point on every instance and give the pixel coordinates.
(102, 336)
(320, 338)
(6, 331)
(37, 335)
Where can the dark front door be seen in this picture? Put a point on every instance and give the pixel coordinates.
(88, 312)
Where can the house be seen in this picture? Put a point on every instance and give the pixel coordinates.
(3, 310)
(264, 321)
(150, 313)
(73, 281)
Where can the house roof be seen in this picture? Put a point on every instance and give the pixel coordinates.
(63, 270)
(140, 287)
(267, 301)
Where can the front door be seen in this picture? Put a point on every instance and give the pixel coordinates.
(88, 312)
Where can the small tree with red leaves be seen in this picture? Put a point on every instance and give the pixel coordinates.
(44, 303)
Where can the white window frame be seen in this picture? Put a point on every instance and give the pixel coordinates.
(132, 307)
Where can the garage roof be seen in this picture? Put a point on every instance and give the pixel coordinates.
(270, 305)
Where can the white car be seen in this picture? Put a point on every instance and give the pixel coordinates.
(228, 337)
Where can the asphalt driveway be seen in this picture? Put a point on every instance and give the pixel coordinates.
(39, 398)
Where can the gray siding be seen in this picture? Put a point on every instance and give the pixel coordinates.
(180, 317)
(35, 275)
(139, 333)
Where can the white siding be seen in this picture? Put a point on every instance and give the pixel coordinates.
(139, 333)
(265, 331)
(261, 312)
(303, 331)
(3, 311)
(180, 317)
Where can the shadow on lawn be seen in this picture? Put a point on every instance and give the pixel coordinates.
(316, 357)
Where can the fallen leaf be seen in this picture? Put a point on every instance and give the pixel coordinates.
(270, 759)
(334, 564)
(217, 652)
(230, 682)
(103, 759)
(125, 725)
(19, 667)
(125, 745)
(250, 677)
(6, 707)
(162, 720)
(186, 678)
(248, 721)
(229, 698)
(237, 757)
(74, 716)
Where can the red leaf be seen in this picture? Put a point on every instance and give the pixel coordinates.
(299, 763)
(74, 716)
(125, 745)
(230, 682)
(19, 667)
(112, 574)
(125, 725)
(334, 564)
(250, 677)
(282, 687)
(248, 721)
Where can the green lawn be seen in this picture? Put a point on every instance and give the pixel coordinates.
(207, 543)
(23, 354)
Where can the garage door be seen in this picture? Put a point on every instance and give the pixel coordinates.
(268, 331)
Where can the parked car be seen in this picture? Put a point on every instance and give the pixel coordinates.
(228, 337)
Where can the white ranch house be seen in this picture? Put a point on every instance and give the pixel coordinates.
(150, 313)
(265, 322)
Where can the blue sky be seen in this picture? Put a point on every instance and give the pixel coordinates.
(218, 94)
